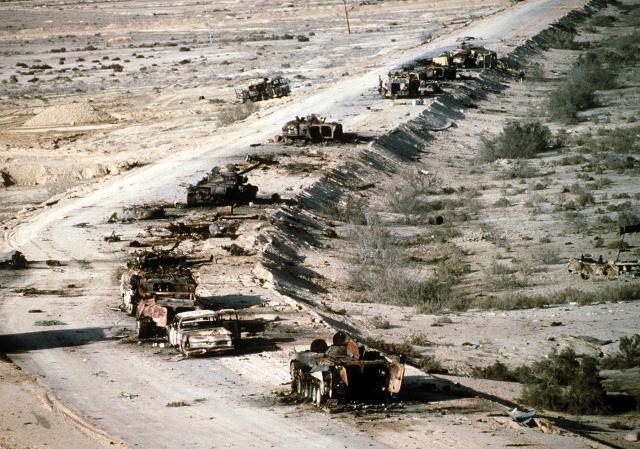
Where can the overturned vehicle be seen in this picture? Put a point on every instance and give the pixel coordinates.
(221, 187)
(264, 89)
(204, 331)
(311, 129)
(345, 369)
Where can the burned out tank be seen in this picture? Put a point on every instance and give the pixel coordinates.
(221, 187)
(311, 129)
(264, 89)
(346, 369)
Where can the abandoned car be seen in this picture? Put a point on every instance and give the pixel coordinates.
(203, 331)
(344, 369)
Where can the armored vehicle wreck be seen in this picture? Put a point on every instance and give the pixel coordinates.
(311, 129)
(221, 187)
(264, 89)
(203, 331)
(346, 369)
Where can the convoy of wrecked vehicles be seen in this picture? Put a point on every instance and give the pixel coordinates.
(158, 288)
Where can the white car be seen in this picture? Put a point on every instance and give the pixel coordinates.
(202, 331)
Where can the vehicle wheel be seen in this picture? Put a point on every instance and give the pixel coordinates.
(143, 329)
(299, 385)
(317, 395)
(184, 347)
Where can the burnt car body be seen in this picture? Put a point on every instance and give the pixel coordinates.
(203, 331)
(311, 129)
(221, 187)
(264, 89)
(346, 369)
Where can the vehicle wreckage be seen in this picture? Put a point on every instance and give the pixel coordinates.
(311, 128)
(408, 84)
(222, 187)
(346, 369)
(264, 89)
(203, 331)
(586, 266)
(468, 56)
(154, 276)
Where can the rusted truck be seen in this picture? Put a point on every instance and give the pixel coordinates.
(153, 315)
(264, 89)
(222, 187)
(311, 128)
(346, 369)
(203, 331)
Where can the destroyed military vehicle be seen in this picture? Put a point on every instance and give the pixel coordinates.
(346, 369)
(203, 331)
(407, 84)
(154, 314)
(586, 266)
(311, 129)
(159, 273)
(473, 57)
(264, 89)
(221, 187)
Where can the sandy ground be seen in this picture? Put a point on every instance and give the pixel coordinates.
(124, 389)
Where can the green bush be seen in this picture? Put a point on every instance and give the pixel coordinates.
(628, 355)
(516, 141)
(564, 382)
(577, 92)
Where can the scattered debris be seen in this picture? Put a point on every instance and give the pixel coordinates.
(236, 250)
(137, 212)
(125, 395)
(524, 418)
(13, 259)
(113, 237)
(50, 323)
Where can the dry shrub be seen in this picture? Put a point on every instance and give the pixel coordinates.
(236, 112)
